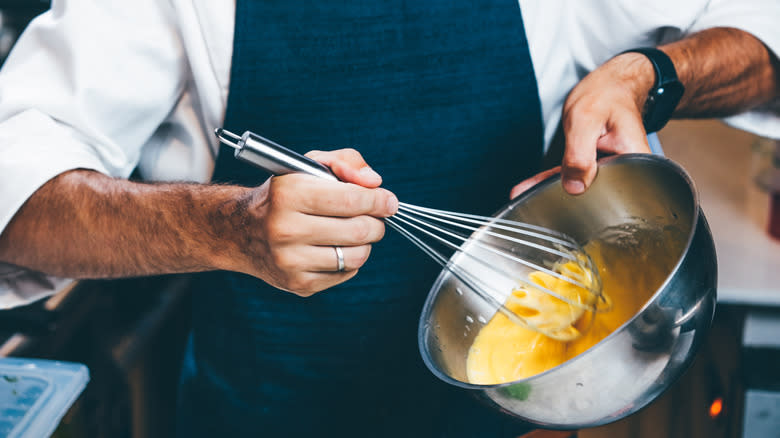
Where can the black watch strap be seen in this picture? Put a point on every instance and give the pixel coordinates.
(666, 92)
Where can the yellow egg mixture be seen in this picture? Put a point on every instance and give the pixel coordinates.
(632, 268)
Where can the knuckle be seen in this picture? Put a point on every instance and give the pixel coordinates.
(361, 231)
(302, 285)
(311, 288)
(377, 229)
(368, 230)
(294, 285)
(578, 106)
(362, 255)
(305, 293)
(570, 122)
(581, 113)
(353, 201)
(269, 228)
(278, 195)
(314, 154)
(352, 153)
(279, 230)
(284, 261)
(278, 260)
(576, 163)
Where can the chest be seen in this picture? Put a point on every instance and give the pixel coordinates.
(436, 95)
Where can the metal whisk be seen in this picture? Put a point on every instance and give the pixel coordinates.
(548, 283)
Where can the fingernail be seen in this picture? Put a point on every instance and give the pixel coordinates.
(574, 186)
(368, 172)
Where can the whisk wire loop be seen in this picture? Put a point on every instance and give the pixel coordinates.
(430, 230)
(459, 273)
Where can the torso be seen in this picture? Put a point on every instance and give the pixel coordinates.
(440, 98)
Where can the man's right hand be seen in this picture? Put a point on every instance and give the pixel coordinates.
(83, 224)
(292, 223)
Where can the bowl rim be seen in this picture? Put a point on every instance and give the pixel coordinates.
(605, 161)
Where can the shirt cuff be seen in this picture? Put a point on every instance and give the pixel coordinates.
(33, 150)
(19, 286)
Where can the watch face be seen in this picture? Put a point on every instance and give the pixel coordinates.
(667, 96)
(661, 104)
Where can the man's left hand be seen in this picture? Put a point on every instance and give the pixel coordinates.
(602, 114)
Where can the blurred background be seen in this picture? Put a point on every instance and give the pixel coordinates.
(130, 333)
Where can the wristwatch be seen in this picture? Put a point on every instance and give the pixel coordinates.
(666, 92)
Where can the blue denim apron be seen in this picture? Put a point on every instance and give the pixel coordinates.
(440, 97)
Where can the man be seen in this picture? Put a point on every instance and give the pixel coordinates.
(452, 101)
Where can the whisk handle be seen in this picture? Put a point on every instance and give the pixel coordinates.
(272, 157)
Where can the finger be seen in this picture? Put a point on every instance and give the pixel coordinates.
(578, 167)
(348, 166)
(532, 181)
(319, 197)
(307, 258)
(327, 258)
(629, 136)
(359, 230)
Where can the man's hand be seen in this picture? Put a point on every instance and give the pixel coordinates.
(294, 221)
(83, 224)
(724, 71)
(603, 113)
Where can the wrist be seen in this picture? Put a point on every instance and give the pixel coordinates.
(666, 92)
(219, 229)
(636, 73)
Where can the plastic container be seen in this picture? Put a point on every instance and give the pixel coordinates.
(35, 394)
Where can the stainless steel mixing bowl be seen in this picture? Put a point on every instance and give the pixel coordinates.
(634, 364)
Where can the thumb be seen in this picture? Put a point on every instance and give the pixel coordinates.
(348, 166)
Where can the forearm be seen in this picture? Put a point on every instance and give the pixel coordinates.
(83, 224)
(724, 71)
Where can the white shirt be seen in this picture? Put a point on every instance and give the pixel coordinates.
(113, 85)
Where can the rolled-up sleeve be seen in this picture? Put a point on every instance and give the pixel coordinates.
(86, 85)
(760, 18)
(600, 30)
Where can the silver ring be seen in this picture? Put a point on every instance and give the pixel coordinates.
(339, 258)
